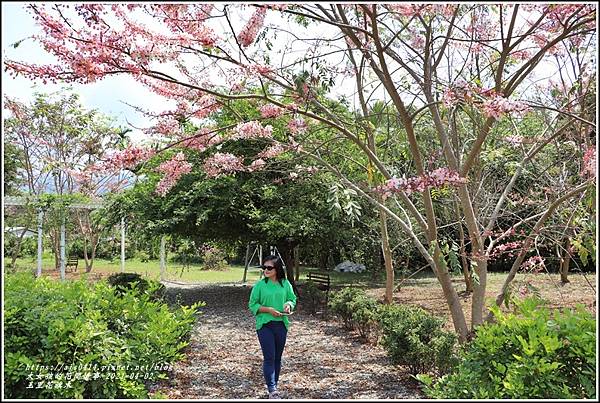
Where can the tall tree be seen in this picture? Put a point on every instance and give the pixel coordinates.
(61, 144)
(467, 66)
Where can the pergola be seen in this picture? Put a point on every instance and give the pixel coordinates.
(21, 201)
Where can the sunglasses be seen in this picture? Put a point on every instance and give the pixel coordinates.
(267, 267)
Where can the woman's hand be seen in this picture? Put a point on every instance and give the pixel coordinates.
(287, 308)
(275, 312)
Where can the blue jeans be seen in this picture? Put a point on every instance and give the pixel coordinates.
(272, 341)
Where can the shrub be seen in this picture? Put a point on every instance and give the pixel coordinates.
(340, 304)
(213, 258)
(127, 281)
(364, 312)
(311, 296)
(28, 245)
(75, 328)
(415, 338)
(531, 353)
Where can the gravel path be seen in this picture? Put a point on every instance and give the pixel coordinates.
(321, 360)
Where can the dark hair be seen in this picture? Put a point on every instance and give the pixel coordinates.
(279, 271)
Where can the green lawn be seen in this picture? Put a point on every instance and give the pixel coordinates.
(192, 273)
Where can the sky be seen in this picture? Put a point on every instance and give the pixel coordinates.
(104, 95)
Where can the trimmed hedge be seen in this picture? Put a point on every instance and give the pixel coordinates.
(411, 336)
(56, 330)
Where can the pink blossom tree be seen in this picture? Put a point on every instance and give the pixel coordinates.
(466, 67)
(62, 147)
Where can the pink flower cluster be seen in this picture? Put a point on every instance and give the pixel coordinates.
(173, 170)
(205, 106)
(188, 19)
(498, 106)
(222, 163)
(270, 111)
(167, 126)
(202, 139)
(437, 178)
(450, 98)
(127, 158)
(534, 264)
(250, 30)
(413, 10)
(272, 151)
(297, 126)
(252, 129)
(260, 69)
(256, 165)
(514, 140)
(508, 248)
(521, 55)
(589, 162)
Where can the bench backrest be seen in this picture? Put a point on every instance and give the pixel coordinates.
(319, 278)
(72, 260)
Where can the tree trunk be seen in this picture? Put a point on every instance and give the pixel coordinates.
(463, 254)
(17, 249)
(95, 241)
(565, 262)
(54, 237)
(377, 261)
(478, 302)
(297, 263)
(458, 317)
(286, 249)
(85, 253)
(387, 256)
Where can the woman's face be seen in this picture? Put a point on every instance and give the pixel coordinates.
(270, 270)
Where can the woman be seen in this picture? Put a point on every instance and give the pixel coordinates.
(271, 300)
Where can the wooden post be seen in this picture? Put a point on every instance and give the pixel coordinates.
(122, 244)
(62, 249)
(162, 257)
(40, 248)
(246, 262)
(260, 255)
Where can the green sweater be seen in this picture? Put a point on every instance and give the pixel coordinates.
(273, 295)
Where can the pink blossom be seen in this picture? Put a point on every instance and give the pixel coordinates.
(128, 158)
(173, 170)
(534, 263)
(222, 163)
(589, 162)
(270, 111)
(521, 55)
(250, 30)
(252, 129)
(167, 126)
(260, 69)
(275, 6)
(297, 125)
(205, 106)
(437, 178)
(405, 10)
(257, 165)
(449, 98)
(272, 151)
(498, 106)
(202, 139)
(514, 140)
(508, 248)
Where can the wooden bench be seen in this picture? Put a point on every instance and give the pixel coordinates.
(322, 282)
(72, 262)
